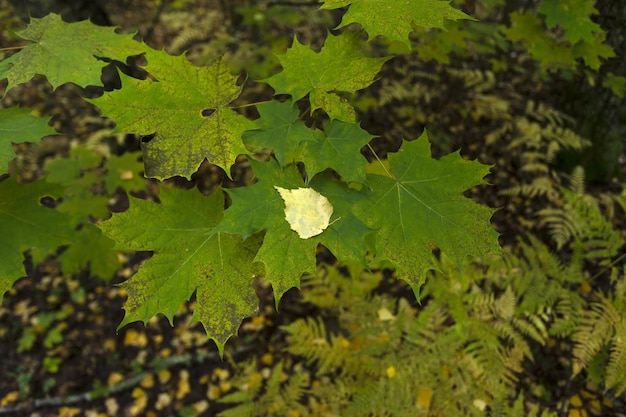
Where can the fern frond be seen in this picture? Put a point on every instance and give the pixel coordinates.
(596, 329)
(616, 368)
(533, 326)
(539, 187)
(581, 219)
(566, 318)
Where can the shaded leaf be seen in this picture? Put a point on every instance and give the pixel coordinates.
(78, 174)
(286, 257)
(185, 108)
(19, 125)
(591, 52)
(66, 171)
(91, 249)
(255, 207)
(188, 257)
(340, 66)
(527, 28)
(573, 16)
(280, 129)
(66, 52)
(396, 19)
(338, 149)
(421, 206)
(26, 224)
(260, 207)
(347, 234)
(125, 172)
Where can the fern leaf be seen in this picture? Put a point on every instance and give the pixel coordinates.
(595, 331)
(616, 368)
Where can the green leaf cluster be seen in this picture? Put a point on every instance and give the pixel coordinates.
(487, 327)
(395, 212)
(400, 215)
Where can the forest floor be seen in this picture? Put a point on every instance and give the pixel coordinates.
(62, 356)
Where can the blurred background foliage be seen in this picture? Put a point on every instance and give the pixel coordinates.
(534, 87)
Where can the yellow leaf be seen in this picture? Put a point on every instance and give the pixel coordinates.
(9, 398)
(424, 397)
(385, 315)
(267, 359)
(307, 211)
(345, 343)
(213, 393)
(112, 406)
(201, 406)
(141, 400)
(183, 385)
(577, 413)
(134, 338)
(138, 393)
(164, 376)
(163, 400)
(222, 374)
(225, 386)
(576, 401)
(147, 381)
(480, 404)
(114, 378)
(69, 411)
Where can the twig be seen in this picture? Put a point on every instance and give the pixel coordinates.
(124, 385)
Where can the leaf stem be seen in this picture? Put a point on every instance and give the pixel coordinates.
(379, 160)
(606, 268)
(249, 104)
(12, 48)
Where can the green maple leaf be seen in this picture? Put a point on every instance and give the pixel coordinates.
(421, 204)
(91, 249)
(346, 237)
(80, 203)
(186, 108)
(616, 83)
(19, 125)
(526, 28)
(188, 256)
(339, 67)
(26, 224)
(338, 149)
(66, 52)
(255, 207)
(124, 172)
(280, 129)
(66, 171)
(439, 46)
(396, 19)
(573, 16)
(591, 52)
(76, 173)
(285, 255)
(259, 207)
